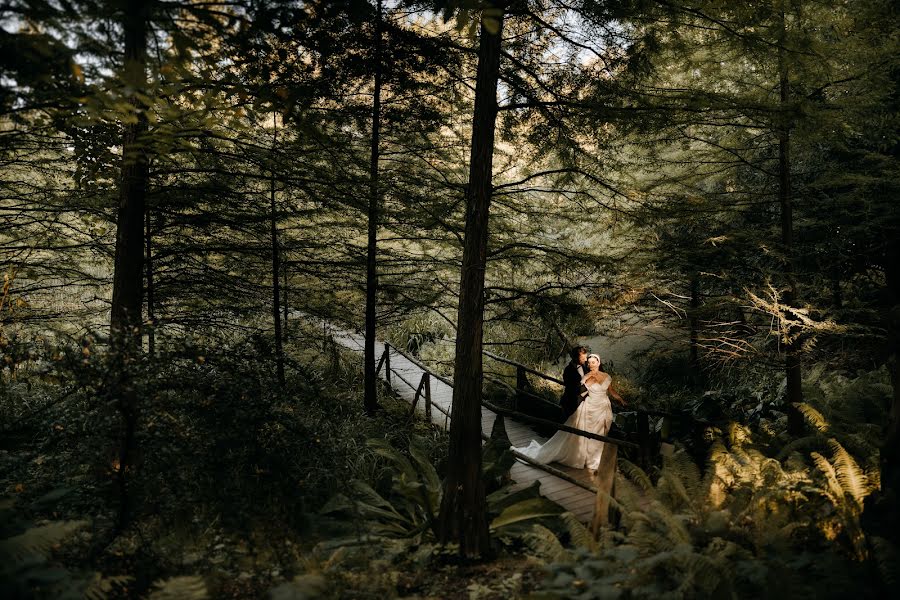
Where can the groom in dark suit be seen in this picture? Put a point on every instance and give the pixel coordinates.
(572, 374)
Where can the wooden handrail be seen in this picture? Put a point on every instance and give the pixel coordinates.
(547, 423)
(651, 412)
(503, 359)
(501, 411)
(520, 392)
(517, 415)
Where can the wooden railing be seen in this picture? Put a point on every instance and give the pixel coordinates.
(605, 473)
(643, 432)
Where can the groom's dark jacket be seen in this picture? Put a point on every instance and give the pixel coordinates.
(571, 397)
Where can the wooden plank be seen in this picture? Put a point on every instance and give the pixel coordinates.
(573, 498)
(554, 485)
(572, 492)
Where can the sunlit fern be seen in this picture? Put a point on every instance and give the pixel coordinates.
(851, 410)
(846, 486)
(692, 529)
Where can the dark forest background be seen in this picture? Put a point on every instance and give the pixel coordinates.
(194, 195)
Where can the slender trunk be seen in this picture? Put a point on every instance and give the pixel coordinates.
(284, 268)
(128, 270)
(695, 328)
(276, 260)
(370, 399)
(794, 393)
(889, 455)
(837, 297)
(463, 514)
(151, 318)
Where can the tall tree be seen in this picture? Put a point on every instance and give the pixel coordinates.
(463, 517)
(793, 374)
(276, 263)
(370, 400)
(129, 254)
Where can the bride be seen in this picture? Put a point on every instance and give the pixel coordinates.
(594, 415)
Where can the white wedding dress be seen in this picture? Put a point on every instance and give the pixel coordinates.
(595, 415)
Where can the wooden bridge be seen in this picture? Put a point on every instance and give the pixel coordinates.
(582, 493)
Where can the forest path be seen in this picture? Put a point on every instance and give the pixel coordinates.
(576, 496)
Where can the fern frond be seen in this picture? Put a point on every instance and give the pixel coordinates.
(687, 471)
(738, 435)
(835, 491)
(673, 525)
(544, 544)
(37, 540)
(852, 478)
(816, 441)
(874, 476)
(812, 416)
(188, 587)
(578, 533)
(706, 571)
(100, 587)
(673, 482)
(635, 474)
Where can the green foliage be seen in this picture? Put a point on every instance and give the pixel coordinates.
(25, 566)
(734, 531)
(846, 487)
(28, 565)
(414, 497)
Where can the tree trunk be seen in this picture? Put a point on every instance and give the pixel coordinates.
(125, 319)
(695, 328)
(883, 511)
(276, 261)
(284, 267)
(370, 398)
(794, 393)
(151, 318)
(128, 269)
(463, 515)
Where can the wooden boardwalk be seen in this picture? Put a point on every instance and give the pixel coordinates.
(577, 497)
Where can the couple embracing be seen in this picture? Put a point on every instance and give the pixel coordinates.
(586, 406)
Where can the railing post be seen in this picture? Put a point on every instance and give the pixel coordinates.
(415, 400)
(521, 384)
(643, 431)
(387, 363)
(426, 378)
(380, 362)
(606, 488)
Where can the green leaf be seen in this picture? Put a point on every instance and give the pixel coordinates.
(534, 508)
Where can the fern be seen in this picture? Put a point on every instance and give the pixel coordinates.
(635, 474)
(852, 478)
(543, 543)
(36, 541)
(812, 416)
(579, 535)
(99, 587)
(189, 587)
(846, 487)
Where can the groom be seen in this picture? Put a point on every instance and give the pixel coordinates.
(572, 374)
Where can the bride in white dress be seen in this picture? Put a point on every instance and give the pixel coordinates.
(594, 414)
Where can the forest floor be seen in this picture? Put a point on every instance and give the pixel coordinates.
(243, 536)
(242, 558)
